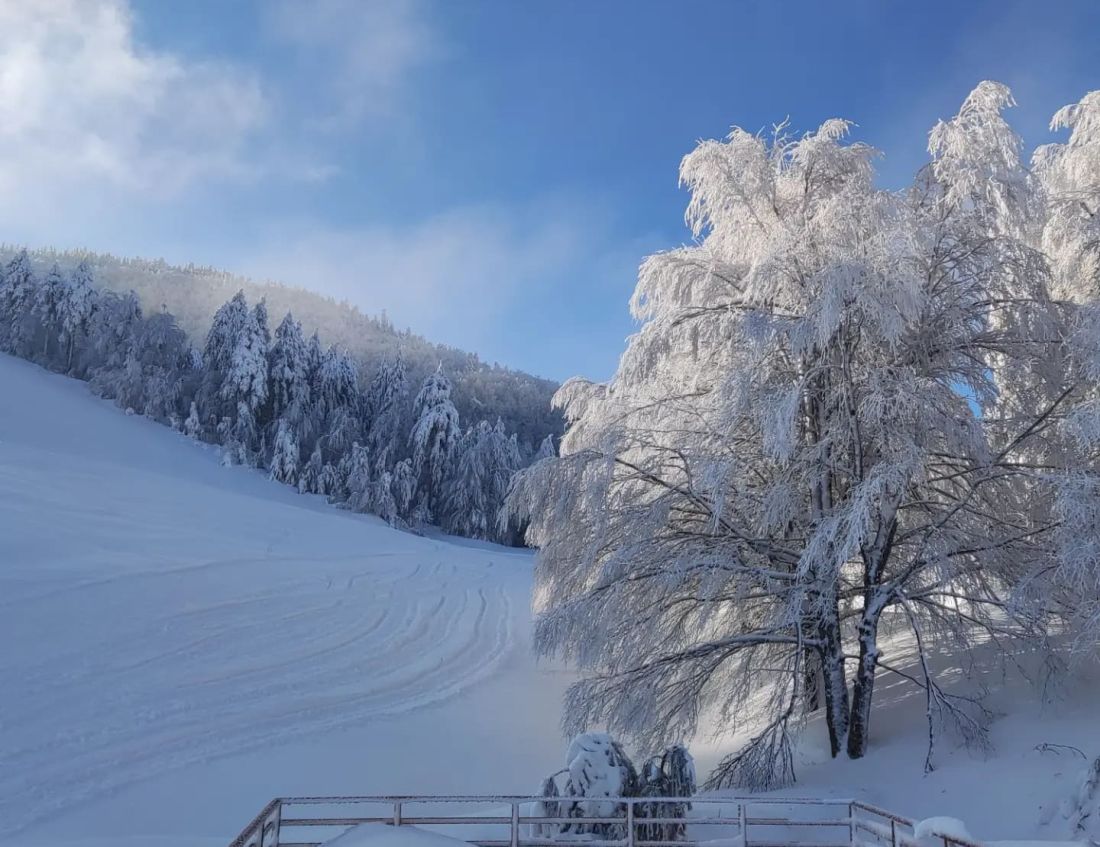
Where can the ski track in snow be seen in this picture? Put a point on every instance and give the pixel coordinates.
(142, 652)
(226, 676)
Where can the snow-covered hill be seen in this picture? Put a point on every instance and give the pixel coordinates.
(183, 641)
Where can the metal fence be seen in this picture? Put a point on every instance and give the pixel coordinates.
(511, 821)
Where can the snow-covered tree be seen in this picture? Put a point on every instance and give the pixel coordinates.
(385, 405)
(487, 458)
(548, 807)
(598, 767)
(357, 476)
(244, 387)
(1070, 177)
(17, 296)
(288, 371)
(192, 426)
(337, 386)
(1082, 808)
(434, 437)
(285, 456)
(311, 478)
(403, 487)
(160, 359)
(48, 308)
(335, 402)
(221, 343)
(670, 774)
(816, 437)
(112, 329)
(546, 450)
(76, 311)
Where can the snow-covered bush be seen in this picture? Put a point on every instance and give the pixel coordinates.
(597, 767)
(1080, 811)
(670, 774)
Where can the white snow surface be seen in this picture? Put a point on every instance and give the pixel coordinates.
(184, 641)
(940, 827)
(181, 642)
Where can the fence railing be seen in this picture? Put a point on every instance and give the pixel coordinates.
(512, 821)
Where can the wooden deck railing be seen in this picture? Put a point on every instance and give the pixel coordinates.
(711, 822)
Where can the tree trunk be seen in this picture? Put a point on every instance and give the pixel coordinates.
(863, 687)
(835, 684)
(812, 682)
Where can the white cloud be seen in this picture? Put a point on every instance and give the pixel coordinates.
(82, 103)
(452, 277)
(362, 52)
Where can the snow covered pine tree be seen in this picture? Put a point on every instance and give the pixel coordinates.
(849, 413)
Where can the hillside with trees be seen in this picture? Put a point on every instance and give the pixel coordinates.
(193, 294)
(387, 441)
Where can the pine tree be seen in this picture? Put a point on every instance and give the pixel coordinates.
(385, 405)
(288, 372)
(192, 427)
(337, 383)
(487, 458)
(159, 358)
(244, 387)
(311, 479)
(285, 456)
(112, 330)
(546, 450)
(434, 438)
(76, 311)
(48, 308)
(403, 487)
(17, 295)
(221, 343)
(357, 478)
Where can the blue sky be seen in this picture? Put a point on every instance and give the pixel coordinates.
(489, 172)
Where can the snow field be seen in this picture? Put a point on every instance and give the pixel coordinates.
(168, 620)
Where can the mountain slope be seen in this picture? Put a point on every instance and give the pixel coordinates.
(192, 294)
(184, 641)
(191, 634)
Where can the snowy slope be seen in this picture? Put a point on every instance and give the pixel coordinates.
(184, 641)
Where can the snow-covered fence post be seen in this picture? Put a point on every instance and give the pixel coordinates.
(743, 824)
(276, 822)
(515, 825)
(397, 813)
(630, 822)
(851, 823)
(893, 833)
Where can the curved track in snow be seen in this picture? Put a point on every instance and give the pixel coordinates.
(159, 611)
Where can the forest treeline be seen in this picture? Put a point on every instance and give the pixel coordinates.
(388, 443)
(193, 293)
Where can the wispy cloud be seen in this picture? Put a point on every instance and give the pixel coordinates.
(451, 277)
(82, 103)
(360, 54)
